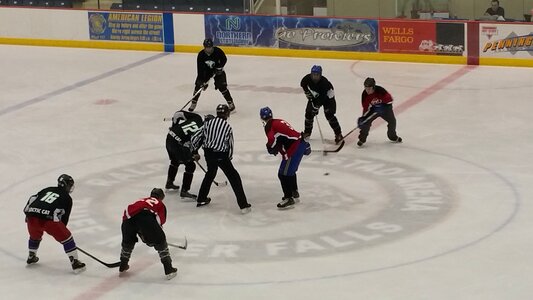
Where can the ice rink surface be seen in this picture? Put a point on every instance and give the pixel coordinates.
(445, 215)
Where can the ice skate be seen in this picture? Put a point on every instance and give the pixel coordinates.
(193, 105)
(296, 196)
(398, 140)
(286, 203)
(231, 106)
(246, 210)
(203, 202)
(32, 259)
(77, 265)
(185, 195)
(123, 265)
(170, 186)
(338, 138)
(170, 271)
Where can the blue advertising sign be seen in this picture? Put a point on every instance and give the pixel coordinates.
(131, 27)
(293, 33)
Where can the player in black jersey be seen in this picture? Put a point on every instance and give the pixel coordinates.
(178, 144)
(210, 62)
(319, 92)
(49, 211)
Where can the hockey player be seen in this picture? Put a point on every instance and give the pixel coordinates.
(145, 217)
(178, 144)
(49, 211)
(216, 138)
(210, 62)
(319, 92)
(375, 99)
(283, 139)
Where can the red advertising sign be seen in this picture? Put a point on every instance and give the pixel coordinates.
(407, 37)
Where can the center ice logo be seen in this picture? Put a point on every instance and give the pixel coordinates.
(364, 203)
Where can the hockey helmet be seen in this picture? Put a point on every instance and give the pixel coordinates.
(66, 181)
(316, 69)
(157, 193)
(370, 82)
(208, 43)
(223, 111)
(265, 113)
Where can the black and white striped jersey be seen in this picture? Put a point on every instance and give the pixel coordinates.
(216, 135)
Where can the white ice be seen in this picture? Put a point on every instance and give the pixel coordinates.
(445, 215)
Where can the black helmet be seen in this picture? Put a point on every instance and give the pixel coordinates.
(208, 43)
(157, 193)
(222, 111)
(66, 181)
(369, 82)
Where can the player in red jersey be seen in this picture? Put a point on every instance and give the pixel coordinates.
(49, 211)
(145, 217)
(375, 99)
(283, 139)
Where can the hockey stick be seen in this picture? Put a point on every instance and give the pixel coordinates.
(326, 151)
(320, 131)
(199, 91)
(224, 183)
(366, 120)
(109, 265)
(184, 247)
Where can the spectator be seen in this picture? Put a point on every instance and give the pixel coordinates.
(495, 9)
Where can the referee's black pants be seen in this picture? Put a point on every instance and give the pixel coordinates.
(221, 160)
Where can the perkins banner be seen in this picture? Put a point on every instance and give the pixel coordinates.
(293, 33)
(131, 27)
(506, 40)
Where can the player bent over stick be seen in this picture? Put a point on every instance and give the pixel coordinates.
(145, 217)
(49, 211)
(283, 139)
(376, 102)
(178, 144)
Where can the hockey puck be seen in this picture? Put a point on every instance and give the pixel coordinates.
(326, 174)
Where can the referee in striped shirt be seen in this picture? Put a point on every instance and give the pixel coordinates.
(216, 137)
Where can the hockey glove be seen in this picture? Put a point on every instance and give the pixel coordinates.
(314, 109)
(204, 86)
(309, 95)
(208, 117)
(378, 108)
(361, 121)
(219, 71)
(272, 151)
(307, 150)
(196, 157)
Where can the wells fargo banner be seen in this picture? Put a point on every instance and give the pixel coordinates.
(413, 37)
(293, 33)
(506, 40)
(131, 27)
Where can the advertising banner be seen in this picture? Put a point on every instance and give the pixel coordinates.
(131, 27)
(506, 40)
(451, 39)
(292, 32)
(407, 37)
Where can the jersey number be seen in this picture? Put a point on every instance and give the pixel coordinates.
(151, 201)
(191, 127)
(50, 197)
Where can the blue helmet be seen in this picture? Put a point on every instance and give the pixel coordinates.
(316, 69)
(265, 113)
